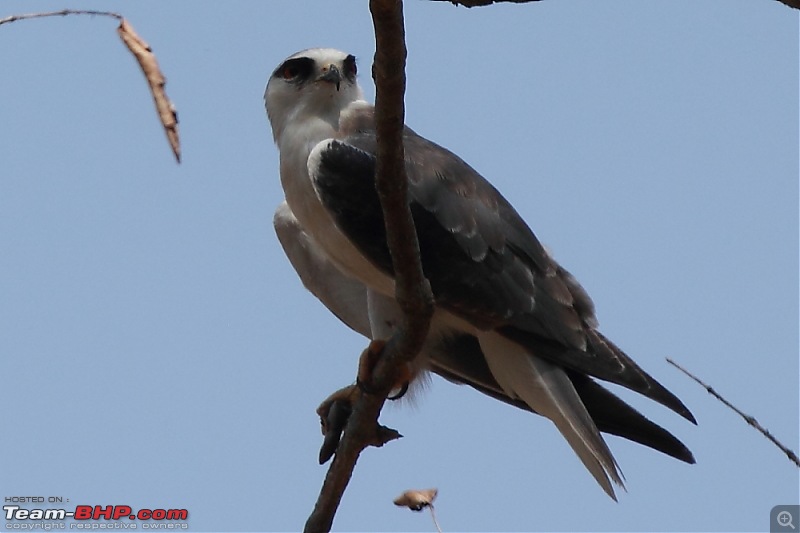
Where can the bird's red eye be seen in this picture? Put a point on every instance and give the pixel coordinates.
(293, 70)
(290, 71)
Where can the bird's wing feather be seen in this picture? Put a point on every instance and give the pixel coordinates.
(483, 262)
(459, 359)
(546, 388)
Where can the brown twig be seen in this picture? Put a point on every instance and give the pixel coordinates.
(144, 56)
(412, 290)
(747, 418)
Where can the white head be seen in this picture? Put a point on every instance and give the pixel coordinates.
(315, 83)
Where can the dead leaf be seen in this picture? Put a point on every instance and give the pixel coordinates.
(156, 81)
(416, 500)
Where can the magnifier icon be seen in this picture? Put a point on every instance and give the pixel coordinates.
(784, 519)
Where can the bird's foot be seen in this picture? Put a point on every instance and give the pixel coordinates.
(366, 366)
(335, 410)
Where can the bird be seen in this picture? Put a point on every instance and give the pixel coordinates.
(508, 320)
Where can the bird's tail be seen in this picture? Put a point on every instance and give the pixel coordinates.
(547, 389)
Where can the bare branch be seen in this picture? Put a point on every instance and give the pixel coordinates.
(747, 418)
(475, 3)
(144, 56)
(362, 431)
(61, 13)
(412, 290)
(480, 3)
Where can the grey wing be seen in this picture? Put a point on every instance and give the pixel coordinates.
(458, 358)
(345, 297)
(484, 263)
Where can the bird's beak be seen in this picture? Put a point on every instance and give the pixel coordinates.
(332, 75)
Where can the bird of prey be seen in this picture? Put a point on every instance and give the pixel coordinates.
(508, 321)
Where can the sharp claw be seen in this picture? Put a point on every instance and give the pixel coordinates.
(402, 392)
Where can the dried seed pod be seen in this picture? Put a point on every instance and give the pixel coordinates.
(416, 500)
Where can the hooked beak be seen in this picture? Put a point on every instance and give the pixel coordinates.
(332, 75)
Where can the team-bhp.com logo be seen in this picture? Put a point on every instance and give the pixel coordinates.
(83, 513)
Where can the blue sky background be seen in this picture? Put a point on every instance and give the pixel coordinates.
(157, 349)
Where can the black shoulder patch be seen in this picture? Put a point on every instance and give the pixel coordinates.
(345, 183)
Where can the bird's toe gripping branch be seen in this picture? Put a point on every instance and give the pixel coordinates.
(334, 412)
(366, 366)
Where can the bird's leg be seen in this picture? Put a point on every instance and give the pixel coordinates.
(385, 316)
(334, 411)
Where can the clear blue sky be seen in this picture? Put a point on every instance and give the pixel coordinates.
(157, 349)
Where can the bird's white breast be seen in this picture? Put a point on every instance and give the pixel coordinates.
(297, 149)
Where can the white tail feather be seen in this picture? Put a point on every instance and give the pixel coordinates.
(546, 388)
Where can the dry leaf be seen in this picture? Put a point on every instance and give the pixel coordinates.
(156, 80)
(416, 500)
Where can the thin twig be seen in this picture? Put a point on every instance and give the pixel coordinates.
(144, 57)
(435, 522)
(475, 3)
(747, 418)
(480, 3)
(61, 13)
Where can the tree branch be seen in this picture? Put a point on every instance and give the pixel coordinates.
(476, 3)
(480, 3)
(747, 418)
(412, 290)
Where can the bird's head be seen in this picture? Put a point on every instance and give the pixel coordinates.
(317, 83)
